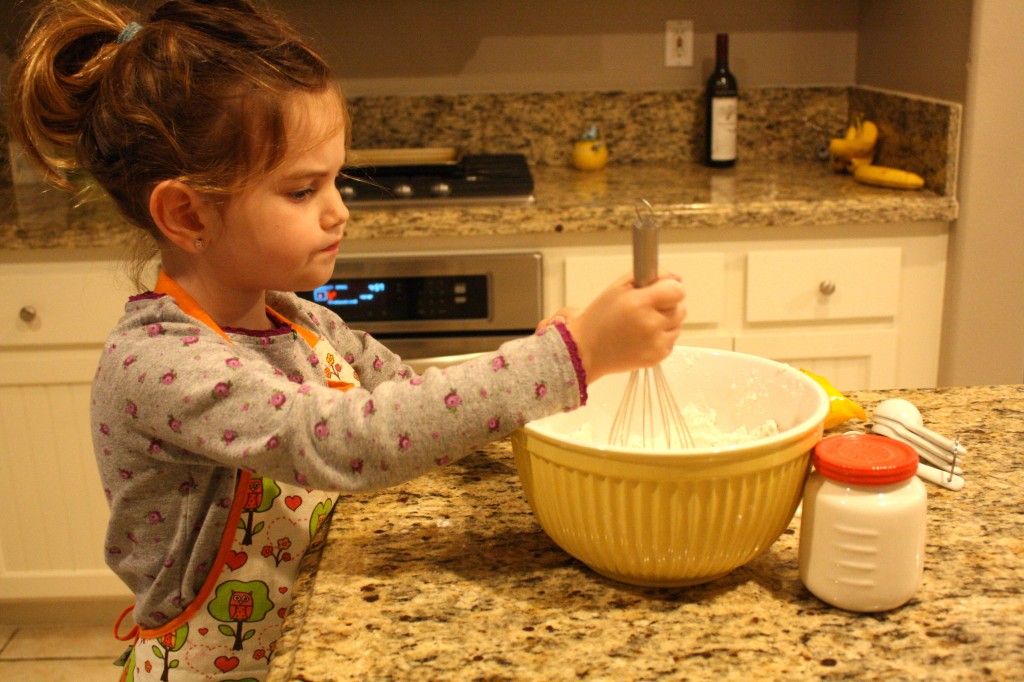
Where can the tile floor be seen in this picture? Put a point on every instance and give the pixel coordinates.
(46, 653)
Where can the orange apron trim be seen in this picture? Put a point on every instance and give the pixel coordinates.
(218, 565)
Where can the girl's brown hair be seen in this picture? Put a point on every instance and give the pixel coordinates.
(197, 93)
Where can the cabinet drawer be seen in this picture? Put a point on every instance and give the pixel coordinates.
(828, 284)
(703, 275)
(60, 303)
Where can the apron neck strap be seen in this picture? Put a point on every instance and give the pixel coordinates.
(166, 285)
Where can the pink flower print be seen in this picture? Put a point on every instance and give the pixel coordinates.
(321, 430)
(378, 364)
(356, 465)
(540, 389)
(452, 400)
(273, 442)
(499, 363)
(304, 389)
(313, 359)
(187, 486)
(189, 340)
(416, 381)
(155, 329)
(154, 517)
(493, 424)
(222, 389)
(125, 474)
(300, 478)
(349, 358)
(369, 409)
(277, 399)
(296, 378)
(132, 409)
(404, 442)
(155, 448)
(168, 378)
(105, 429)
(128, 361)
(233, 363)
(229, 436)
(441, 461)
(173, 423)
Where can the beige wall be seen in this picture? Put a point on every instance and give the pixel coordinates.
(983, 339)
(918, 46)
(472, 46)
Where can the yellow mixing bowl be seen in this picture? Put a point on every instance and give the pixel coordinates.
(676, 517)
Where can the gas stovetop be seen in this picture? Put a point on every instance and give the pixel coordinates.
(441, 178)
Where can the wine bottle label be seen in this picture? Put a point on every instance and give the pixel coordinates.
(723, 128)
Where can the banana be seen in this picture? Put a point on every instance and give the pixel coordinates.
(883, 176)
(860, 140)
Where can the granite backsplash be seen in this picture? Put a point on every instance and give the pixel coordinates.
(776, 124)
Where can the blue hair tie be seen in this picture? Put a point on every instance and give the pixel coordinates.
(129, 32)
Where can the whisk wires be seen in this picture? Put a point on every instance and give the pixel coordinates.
(648, 414)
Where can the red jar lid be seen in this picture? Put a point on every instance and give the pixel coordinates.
(865, 459)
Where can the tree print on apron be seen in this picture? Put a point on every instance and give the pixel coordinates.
(229, 632)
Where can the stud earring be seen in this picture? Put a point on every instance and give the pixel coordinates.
(198, 244)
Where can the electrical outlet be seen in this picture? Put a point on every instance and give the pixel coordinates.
(679, 42)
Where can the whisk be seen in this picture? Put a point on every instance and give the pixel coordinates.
(648, 409)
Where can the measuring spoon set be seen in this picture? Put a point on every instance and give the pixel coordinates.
(901, 420)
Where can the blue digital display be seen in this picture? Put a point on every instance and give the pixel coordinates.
(404, 298)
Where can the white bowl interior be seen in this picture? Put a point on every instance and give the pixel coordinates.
(743, 390)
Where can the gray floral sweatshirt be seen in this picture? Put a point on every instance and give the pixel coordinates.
(177, 411)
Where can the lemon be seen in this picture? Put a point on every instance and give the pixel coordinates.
(589, 155)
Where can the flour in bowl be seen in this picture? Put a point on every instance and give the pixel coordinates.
(703, 426)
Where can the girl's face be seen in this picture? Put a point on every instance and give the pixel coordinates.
(282, 231)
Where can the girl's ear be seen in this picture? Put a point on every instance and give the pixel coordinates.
(177, 210)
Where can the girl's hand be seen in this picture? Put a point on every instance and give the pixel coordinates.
(563, 316)
(627, 328)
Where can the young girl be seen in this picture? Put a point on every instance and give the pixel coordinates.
(227, 413)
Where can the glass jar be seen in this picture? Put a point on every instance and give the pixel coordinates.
(862, 530)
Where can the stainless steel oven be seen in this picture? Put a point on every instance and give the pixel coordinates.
(434, 309)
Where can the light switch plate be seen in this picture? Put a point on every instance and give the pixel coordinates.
(679, 42)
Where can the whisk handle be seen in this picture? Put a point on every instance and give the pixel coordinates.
(645, 245)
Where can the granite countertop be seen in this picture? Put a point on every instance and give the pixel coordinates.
(687, 196)
(451, 577)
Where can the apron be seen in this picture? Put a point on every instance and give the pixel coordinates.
(230, 630)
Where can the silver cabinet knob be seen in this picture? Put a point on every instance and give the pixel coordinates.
(27, 313)
(827, 287)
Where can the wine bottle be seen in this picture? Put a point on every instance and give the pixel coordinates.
(720, 128)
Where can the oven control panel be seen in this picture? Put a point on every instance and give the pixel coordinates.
(429, 305)
(397, 298)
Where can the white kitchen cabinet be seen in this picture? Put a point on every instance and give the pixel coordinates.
(860, 305)
(54, 318)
